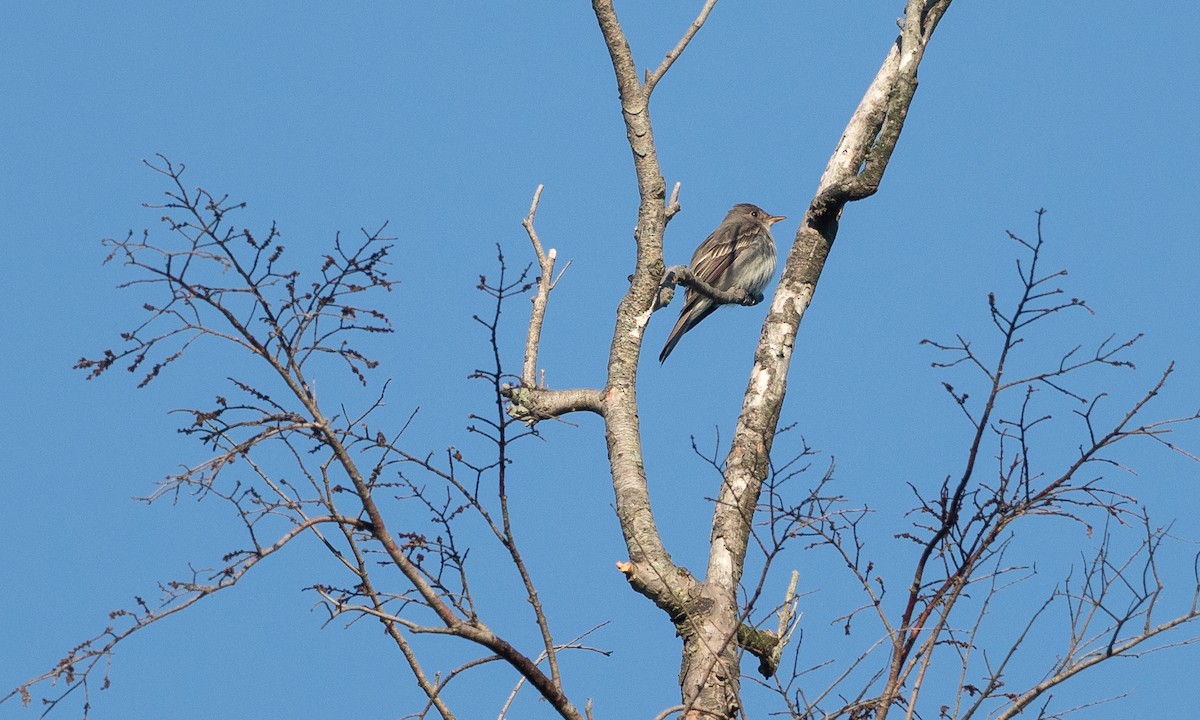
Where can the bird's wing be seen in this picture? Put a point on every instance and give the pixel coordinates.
(716, 254)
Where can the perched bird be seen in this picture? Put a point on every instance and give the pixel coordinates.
(740, 253)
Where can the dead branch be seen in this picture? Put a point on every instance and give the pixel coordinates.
(545, 283)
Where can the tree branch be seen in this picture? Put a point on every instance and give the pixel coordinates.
(534, 404)
(652, 78)
(683, 275)
(546, 282)
(650, 569)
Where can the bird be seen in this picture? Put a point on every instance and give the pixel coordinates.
(740, 253)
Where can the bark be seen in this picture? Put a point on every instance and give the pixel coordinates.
(706, 612)
(710, 679)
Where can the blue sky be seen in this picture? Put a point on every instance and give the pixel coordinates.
(441, 121)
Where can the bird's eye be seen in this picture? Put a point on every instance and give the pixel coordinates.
(753, 213)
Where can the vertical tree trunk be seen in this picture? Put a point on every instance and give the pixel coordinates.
(706, 613)
(710, 676)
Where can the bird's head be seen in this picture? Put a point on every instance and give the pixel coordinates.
(753, 213)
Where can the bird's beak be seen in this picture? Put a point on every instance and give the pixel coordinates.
(774, 219)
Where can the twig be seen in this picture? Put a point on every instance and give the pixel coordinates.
(545, 283)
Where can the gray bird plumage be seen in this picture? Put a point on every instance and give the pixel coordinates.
(740, 253)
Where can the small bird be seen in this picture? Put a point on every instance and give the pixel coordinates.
(740, 253)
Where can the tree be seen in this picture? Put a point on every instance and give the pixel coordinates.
(233, 285)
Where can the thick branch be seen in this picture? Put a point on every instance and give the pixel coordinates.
(863, 144)
(853, 172)
(709, 679)
(534, 404)
(647, 554)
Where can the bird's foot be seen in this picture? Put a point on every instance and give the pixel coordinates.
(747, 298)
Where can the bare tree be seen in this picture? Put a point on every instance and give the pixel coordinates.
(347, 474)
(706, 611)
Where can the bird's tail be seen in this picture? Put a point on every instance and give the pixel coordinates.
(673, 339)
(688, 319)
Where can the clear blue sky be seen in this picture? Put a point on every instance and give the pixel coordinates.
(442, 120)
